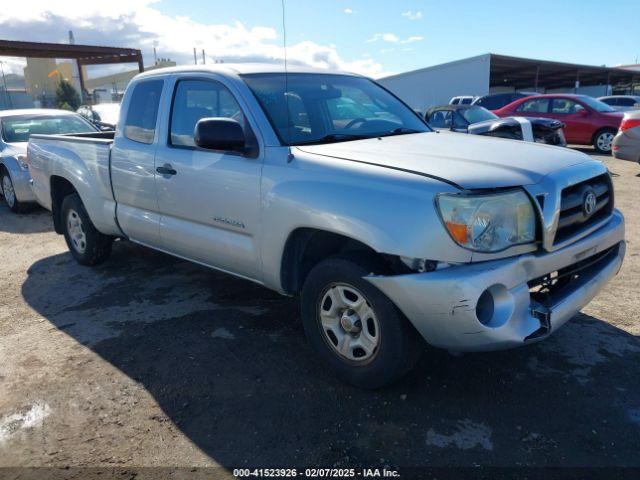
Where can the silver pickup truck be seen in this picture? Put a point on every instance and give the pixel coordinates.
(327, 186)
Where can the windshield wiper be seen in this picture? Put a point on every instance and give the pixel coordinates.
(399, 131)
(332, 138)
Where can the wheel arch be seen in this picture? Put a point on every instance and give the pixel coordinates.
(306, 247)
(61, 187)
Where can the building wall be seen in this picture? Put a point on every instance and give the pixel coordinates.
(37, 79)
(428, 87)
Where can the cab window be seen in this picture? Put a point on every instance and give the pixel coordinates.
(140, 125)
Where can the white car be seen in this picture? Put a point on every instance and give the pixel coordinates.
(622, 103)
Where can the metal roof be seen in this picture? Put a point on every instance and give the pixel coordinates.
(85, 54)
(522, 73)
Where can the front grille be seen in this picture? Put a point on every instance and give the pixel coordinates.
(573, 218)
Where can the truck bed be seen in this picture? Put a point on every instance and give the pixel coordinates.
(84, 161)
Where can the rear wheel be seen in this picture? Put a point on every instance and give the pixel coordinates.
(87, 245)
(603, 139)
(354, 328)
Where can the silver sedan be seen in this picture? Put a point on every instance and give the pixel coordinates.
(15, 128)
(626, 144)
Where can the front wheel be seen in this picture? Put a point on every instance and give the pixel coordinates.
(9, 193)
(87, 245)
(602, 141)
(354, 328)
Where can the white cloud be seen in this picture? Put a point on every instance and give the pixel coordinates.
(412, 38)
(385, 37)
(412, 16)
(393, 38)
(138, 24)
(349, 11)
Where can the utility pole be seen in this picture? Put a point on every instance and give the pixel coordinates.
(204, 59)
(195, 58)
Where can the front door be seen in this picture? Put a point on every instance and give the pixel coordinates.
(576, 118)
(210, 200)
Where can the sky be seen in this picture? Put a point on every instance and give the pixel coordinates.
(373, 37)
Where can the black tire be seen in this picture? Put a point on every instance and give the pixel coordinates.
(399, 345)
(596, 140)
(16, 206)
(97, 246)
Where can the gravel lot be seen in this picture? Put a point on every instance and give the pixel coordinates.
(151, 361)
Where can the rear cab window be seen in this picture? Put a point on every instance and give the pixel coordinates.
(142, 113)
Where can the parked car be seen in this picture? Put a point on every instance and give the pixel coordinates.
(480, 121)
(622, 103)
(103, 115)
(462, 100)
(15, 128)
(626, 144)
(587, 120)
(494, 101)
(387, 230)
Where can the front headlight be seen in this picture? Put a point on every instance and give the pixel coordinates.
(22, 161)
(488, 222)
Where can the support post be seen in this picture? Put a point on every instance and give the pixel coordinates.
(83, 100)
(140, 63)
(535, 85)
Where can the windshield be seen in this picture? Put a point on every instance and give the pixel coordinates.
(597, 105)
(326, 108)
(18, 128)
(477, 114)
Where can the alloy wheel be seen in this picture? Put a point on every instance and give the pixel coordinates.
(8, 192)
(604, 141)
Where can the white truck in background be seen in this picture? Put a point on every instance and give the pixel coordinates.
(325, 185)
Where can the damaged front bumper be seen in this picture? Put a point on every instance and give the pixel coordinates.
(495, 304)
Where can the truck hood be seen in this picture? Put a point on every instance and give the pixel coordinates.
(468, 161)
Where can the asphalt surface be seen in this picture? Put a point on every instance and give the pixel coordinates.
(151, 361)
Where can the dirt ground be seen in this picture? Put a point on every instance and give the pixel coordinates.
(150, 361)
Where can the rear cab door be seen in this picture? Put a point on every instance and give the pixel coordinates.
(133, 161)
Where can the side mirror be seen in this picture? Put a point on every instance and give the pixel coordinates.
(583, 112)
(215, 133)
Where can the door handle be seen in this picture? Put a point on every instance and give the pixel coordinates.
(166, 169)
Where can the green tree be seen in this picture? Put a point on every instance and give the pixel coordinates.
(66, 96)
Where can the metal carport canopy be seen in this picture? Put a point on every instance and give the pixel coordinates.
(82, 54)
(529, 73)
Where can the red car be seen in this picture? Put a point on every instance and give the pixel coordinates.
(588, 121)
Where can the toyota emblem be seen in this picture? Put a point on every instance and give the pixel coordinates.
(590, 201)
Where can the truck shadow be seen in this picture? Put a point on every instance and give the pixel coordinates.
(35, 220)
(227, 362)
